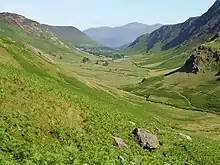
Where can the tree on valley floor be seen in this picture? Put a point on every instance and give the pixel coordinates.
(97, 62)
(85, 59)
(105, 63)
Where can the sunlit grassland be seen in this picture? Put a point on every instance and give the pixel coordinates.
(62, 114)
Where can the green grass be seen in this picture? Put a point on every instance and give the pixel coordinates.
(72, 34)
(18, 34)
(51, 115)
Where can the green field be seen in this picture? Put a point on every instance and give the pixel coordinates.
(67, 113)
(199, 91)
(56, 108)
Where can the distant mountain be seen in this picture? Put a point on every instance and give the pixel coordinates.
(72, 34)
(119, 36)
(195, 29)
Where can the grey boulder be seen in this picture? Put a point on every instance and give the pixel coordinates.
(146, 139)
(120, 143)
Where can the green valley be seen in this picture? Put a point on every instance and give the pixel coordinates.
(61, 104)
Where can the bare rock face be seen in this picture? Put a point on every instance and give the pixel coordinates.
(120, 143)
(146, 139)
(197, 59)
(191, 65)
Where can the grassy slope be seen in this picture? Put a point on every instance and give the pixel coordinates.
(138, 45)
(73, 35)
(200, 91)
(50, 117)
(18, 34)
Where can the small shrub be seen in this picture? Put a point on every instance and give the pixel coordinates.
(105, 63)
(85, 59)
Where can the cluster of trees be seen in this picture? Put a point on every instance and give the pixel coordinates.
(85, 59)
(103, 51)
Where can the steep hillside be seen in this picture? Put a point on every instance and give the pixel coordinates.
(170, 36)
(193, 86)
(61, 110)
(138, 45)
(19, 28)
(52, 116)
(119, 36)
(72, 34)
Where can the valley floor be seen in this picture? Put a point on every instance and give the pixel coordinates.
(67, 113)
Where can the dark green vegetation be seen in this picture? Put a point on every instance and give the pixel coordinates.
(72, 34)
(118, 36)
(103, 51)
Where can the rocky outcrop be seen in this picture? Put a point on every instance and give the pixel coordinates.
(170, 36)
(191, 65)
(146, 139)
(218, 74)
(202, 54)
(217, 35)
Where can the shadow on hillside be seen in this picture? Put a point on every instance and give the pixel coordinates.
(190, 66)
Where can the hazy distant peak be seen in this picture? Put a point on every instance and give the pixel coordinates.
(120, 35)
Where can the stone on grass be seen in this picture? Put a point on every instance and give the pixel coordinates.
(121, 158)
(146, 139)
(185, 136)
(132, 123)
(120, 143)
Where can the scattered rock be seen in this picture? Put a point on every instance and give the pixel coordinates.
(218, 79)
(218, 74)
(120, 143)
(144, 79)
(186, 163)
(157, 129)
(132, 123)
(185, 136)
(146, 139)
(166, 164)
(121, 158)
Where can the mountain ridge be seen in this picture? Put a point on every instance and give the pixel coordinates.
(54, 33)
(73, 34)
(171, 36)
(120, 35)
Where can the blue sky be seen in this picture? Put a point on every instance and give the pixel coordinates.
(94, 13)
